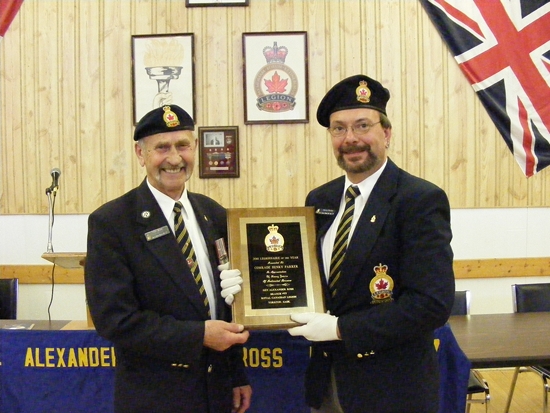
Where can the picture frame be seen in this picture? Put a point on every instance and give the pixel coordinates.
(218, 152)
(275, 250)
(275, 77)
(163, 72)
(215, 3)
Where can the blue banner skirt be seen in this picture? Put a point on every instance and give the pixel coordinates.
(72, 371)
(56, 371)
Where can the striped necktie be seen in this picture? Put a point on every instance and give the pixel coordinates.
(184, 241)
(341, 239)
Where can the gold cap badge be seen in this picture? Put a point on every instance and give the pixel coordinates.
(170, 118)
(363, 92)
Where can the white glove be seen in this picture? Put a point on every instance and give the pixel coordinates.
(231, 282)
(317, 326)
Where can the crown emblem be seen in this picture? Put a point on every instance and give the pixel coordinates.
(381, 269)
(363, 92)
(381, 286)
(274, 242)
(170, 118)
(275, 54)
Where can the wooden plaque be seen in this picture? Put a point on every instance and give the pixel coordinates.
(274, 248)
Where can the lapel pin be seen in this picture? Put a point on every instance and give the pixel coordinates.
(373, 219)
(145, 214)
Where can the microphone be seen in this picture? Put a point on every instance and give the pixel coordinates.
(55, 173)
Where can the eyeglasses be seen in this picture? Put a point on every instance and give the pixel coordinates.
(359, 129)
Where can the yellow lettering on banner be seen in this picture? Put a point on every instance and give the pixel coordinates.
(48, 357)
(83, 357)
(37, 362)
(71, 359)
(94, 357)
(60, 360)
(264, 357)
(60, 357)
(277, 357)
(29, 360)
(104, 359)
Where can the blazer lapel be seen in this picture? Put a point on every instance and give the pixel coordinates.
(164, 247)
(369, 226)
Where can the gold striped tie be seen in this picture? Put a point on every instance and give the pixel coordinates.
(341, 239)
(184, 241)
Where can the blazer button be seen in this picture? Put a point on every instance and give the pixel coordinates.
(359, 356)
(325, 354)
(210, 368)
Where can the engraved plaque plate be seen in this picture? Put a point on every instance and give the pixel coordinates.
(274, 248)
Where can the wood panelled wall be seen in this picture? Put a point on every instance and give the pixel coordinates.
(66, 93)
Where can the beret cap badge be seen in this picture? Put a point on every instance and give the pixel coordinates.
(170, 117)
(363, 92)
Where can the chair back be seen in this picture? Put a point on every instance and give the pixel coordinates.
(531, 297)
(8, 298)
(461, 305)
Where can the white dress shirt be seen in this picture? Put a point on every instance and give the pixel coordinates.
(197, 239)
(365, 187)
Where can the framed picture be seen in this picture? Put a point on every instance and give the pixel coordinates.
(218, 152)
(208, 3)
(275, 77)
(163, 72)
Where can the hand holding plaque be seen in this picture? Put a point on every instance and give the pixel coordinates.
(274, 248)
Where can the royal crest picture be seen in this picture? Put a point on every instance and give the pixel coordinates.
(275, 77)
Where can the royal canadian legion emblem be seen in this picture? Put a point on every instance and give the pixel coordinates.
(276, 84)
(274, 242)
(381, 286)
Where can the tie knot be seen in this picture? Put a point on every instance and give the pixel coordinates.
(352, 192)
(178, 207)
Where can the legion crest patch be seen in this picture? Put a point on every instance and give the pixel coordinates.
(381, 286)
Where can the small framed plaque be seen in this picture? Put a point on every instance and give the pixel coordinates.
(274, 248)
(219, 152)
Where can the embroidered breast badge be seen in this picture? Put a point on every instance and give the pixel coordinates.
(381, 286)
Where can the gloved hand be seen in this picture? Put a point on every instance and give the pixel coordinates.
(231, 282)
(317, 326)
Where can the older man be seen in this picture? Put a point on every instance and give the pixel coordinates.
(152, 283)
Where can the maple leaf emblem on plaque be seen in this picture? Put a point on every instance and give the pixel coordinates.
(276, 85)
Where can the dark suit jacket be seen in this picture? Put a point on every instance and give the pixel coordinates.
(143, 298)
(386, 361)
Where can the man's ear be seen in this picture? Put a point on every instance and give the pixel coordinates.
(139, 153)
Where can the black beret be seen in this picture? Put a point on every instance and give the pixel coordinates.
(168, 118)
(354, 92)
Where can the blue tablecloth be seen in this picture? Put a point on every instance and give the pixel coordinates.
(72, 371)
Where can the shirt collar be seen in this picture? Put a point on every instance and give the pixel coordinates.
(166, 203)
(367, 184)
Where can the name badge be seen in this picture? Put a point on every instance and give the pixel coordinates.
(323, 211)
(157, 233)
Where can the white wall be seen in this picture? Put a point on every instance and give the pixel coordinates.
(478, 233)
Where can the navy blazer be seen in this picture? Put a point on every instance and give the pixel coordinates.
(143, 298)
(386, 361)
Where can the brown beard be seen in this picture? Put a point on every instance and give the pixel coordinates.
(371, 162)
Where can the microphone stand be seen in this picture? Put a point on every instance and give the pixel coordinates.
(51, 205)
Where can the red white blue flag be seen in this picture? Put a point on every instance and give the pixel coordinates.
(8, 10)
(503, 48)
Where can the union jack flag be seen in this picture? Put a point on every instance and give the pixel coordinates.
(503, 48)
(8, 10)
